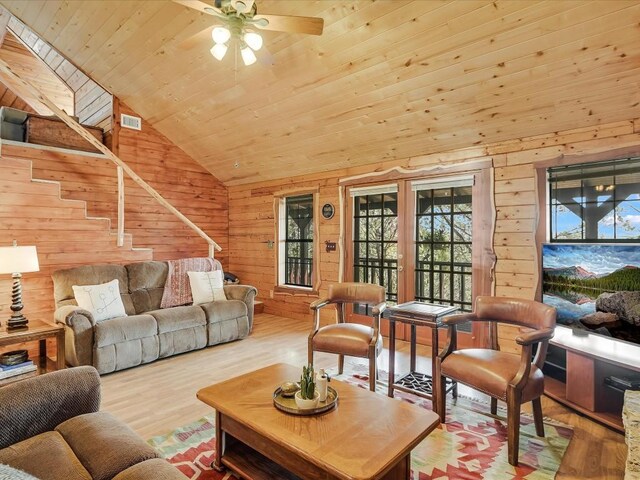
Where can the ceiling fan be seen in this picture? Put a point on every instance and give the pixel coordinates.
(237, 18)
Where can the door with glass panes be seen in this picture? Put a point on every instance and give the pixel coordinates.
(414, 237)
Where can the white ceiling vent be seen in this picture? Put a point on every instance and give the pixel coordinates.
(129, 121)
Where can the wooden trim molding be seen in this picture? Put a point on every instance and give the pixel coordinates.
(401, 173)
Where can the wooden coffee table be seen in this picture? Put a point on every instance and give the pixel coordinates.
(368, 436)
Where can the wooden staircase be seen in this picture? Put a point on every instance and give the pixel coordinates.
(33, 212)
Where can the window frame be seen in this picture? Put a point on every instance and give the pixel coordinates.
(552, 182)
(280, 211)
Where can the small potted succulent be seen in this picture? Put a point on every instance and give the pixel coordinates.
(307, 397)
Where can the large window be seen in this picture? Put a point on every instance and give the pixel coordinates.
(443, 246)
(298, 241)
(595, 202)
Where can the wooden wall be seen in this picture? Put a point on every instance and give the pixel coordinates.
(178, 178)
(182, 181)
(251, 215)
(10, 99)
(25, 64)
(33, 213)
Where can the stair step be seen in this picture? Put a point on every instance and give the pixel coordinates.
(258, 307)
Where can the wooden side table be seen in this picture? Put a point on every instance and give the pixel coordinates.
(37, 330)
(417, 314)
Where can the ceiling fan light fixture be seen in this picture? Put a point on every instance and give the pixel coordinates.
(218, 51)
(248, 57)
(220, 35)
(253, 39)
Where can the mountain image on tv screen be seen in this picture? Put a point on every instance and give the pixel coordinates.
(594, 287)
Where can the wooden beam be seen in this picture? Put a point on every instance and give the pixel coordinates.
(120, 206)
(23, 85)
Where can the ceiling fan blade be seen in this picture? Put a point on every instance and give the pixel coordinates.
(288, 23)
(200, 6)
(202, 38)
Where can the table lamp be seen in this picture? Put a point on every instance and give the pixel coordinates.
(16, 261)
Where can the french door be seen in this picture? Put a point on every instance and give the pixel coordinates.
(416, 238)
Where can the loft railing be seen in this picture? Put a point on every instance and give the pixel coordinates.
(20, 84)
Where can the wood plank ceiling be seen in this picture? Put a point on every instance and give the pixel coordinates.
(387, 79)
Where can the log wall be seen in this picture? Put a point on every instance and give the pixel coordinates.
(251, 217)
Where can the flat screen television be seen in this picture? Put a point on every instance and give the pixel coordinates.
(594, 287)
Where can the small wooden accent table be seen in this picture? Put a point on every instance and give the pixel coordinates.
(417, 314)
(40, 331)
(367, 436)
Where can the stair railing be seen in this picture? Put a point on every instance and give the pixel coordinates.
(20, 84)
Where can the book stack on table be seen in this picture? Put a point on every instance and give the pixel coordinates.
(7, 371)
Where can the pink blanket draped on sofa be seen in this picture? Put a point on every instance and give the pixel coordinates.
(177, 290)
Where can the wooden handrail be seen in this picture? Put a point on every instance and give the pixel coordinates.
(20, 84)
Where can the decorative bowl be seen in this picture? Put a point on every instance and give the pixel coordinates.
(14, 358)
(306, 404)
(289, 389)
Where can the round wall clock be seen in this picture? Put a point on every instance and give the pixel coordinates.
(327, 211)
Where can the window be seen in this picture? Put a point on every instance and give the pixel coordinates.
(595, 202)
(443, 246)
(297, 225)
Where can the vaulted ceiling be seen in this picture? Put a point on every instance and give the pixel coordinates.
(387, 79)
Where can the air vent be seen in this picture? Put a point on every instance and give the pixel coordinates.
(129, 121)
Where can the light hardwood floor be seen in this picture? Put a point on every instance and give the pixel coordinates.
(155, 398)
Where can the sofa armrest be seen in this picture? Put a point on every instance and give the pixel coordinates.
(78, 332)
(244, 293)
(39, 404)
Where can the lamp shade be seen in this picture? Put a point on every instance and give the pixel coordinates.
(220, 34)
(18, 259)
(248, 57)
(253, 40)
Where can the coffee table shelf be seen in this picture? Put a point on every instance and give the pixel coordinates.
(249, 463)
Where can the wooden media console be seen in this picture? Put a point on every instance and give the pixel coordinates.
(576, 369)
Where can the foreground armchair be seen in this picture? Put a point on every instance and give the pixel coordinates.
(51, 428)
(350, 338)
(505, 376)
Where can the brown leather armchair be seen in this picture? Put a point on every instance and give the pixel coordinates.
(505, 376)
(350, 339)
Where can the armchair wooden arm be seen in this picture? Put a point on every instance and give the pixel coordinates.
(379, 309)
(534, 336)
(459, 318)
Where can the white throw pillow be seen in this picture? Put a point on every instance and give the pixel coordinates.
(206, 287)
(103, 301)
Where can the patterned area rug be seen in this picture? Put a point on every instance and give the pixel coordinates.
(471, 445)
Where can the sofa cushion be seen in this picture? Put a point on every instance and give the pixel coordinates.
(122, 329)
(207, 287)
(178, 318)
(156, 469)
(103, 444)
(220, 311)
(146, 284)
(46, 456)
(102, 301)
(63, 281)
